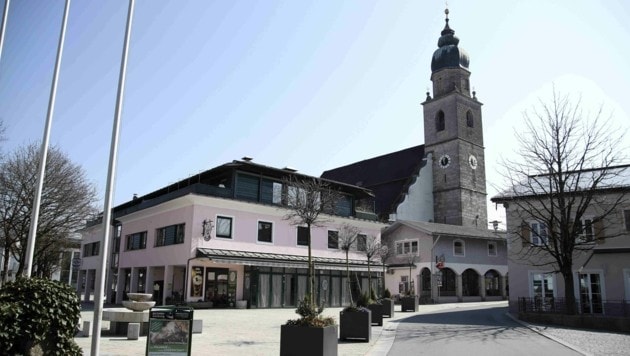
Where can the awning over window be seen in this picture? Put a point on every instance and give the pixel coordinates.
(263, 259)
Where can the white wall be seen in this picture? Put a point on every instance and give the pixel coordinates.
(418, 202)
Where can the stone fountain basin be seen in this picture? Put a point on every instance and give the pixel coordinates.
(140, 297)
(138, 306)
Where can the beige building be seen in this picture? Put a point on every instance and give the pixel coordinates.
(601, 259)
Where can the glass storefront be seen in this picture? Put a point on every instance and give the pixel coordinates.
(283, 287)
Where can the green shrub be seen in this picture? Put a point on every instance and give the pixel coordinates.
(38, 314)
(363, 300)
(387, 294)
(310, 316)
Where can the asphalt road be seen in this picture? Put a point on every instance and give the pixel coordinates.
(470, 331)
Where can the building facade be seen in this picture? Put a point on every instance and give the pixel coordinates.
(445, 263)
(434, 195)
(223, 237)
(601, 253)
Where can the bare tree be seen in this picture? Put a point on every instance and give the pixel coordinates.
(373, 248)
(383, 253)
(566, 166)
(347, 238)
(67, 201)
(307, 200)
(411, 260)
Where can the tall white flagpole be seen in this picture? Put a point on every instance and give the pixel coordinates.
(32, 232)
(5, 16)
(109, 192)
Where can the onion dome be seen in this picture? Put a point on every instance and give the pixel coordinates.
(448, 55)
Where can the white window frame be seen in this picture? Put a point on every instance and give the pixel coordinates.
(496, 252)
(544, 302)
(535, 236)
(584, 237)
(602, 286)
(216, 228)
(364, 237)
(328, 239)
(258, 229)
(463, 253)
(297, 232)
(409, 250)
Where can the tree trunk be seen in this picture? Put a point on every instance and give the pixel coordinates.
(369, 281)
(569, 295)
(5, 264)
(348, 279)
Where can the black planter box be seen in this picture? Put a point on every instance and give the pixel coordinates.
(388, 307)
(377, 314)
(409, 303)
(355, 325)
(308, 341)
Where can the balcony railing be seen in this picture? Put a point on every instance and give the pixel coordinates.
(551, 305)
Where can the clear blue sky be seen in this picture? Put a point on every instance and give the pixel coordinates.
(309, 84)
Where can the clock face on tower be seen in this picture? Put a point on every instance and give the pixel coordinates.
(472, 160)
(445, 161)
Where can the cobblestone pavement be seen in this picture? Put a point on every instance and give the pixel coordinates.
(587, 342)
(257, 332)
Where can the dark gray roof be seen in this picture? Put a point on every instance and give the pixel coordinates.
(600, 179)
(281, 260)
(388, 176)
(447, 230)
(448, 54)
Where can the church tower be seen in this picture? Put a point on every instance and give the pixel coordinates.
(453, 135)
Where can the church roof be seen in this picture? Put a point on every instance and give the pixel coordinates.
(436, 229)
(388, 176)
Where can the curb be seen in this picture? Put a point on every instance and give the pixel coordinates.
(550, 337)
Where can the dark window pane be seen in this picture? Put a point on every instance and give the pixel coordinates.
(247, 187)
(361, 242)
(224, 227)
(264, 231)
(333, 239)
(302, 236)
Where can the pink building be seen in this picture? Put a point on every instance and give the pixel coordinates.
(222, 237)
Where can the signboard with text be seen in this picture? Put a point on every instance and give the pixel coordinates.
(170, 331)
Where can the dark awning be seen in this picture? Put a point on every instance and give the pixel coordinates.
(264, 259)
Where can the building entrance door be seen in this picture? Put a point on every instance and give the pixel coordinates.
(590, 293)
(217, 287)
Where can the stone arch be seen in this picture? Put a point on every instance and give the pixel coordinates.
(470, 283)
(493, 283)
(448, 288)
(425, 281)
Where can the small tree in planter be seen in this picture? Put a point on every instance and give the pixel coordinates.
(355, 322)
(386, 300)
(410, 301)
(347, 237)
(311, 334)
(306, 200)
(373, 248)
